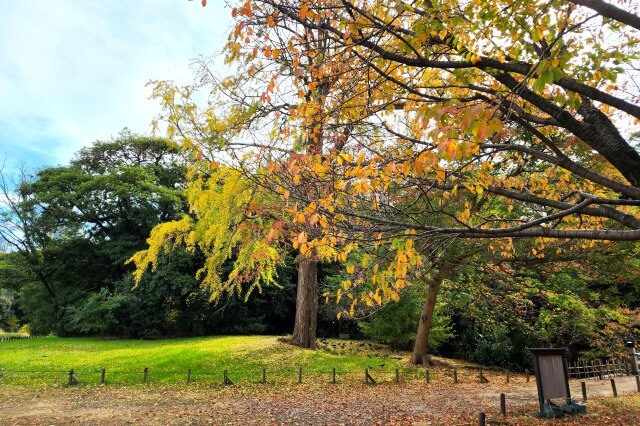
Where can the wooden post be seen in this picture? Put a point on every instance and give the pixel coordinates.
(638, 383)
(584, 391)
(627, 366)
(397, 376)
(73, 380)
(299, 374)
(144, 375)
(600, 370)
(503, 404)
(367, 377)
(613, 387)
(188, 379)
(225, 378)
(483, 379)
(333, 375)
(263, 379)
(526, 372)
(481, 419)
(455, 376)
(632, 358)
(507, 374)
(426, 376)
(103, 373)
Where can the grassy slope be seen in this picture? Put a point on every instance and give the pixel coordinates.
(45, 360)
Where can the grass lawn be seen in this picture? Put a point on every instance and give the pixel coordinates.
(46, 360)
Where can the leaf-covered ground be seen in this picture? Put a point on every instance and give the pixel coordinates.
(408, 403)
(28, 398)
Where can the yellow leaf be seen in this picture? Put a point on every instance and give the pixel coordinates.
(465, 215)
(450, 148)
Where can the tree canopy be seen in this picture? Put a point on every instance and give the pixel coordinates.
(440, 120)
(529, 104)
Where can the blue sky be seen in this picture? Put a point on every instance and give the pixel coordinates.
(74, 71)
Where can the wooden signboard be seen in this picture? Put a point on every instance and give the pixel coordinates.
(552, 375)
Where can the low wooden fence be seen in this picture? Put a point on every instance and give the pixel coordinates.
(599, 370)
(6, 338)
(261, 375)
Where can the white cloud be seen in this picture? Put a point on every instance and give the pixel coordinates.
(72, 72)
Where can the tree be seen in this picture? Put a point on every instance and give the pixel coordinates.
(500, 309)
(501, 120)
(301, 128)
(75, 225)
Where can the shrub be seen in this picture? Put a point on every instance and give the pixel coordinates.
(396, 324)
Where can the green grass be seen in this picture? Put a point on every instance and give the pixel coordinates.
(46, 361)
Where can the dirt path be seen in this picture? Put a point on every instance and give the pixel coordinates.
(443, 403)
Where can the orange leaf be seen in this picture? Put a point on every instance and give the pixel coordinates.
(483, 130)
(303, 11)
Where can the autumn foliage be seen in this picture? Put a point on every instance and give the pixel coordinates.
(404, 138)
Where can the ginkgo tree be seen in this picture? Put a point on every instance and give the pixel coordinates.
(259, 132)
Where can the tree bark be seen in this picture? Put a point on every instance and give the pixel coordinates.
(304, 331)
(421, 346)
(611, 11)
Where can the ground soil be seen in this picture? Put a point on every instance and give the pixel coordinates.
(407, 403)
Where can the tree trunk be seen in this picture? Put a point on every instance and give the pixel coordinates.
(304, 331)
(421, 346)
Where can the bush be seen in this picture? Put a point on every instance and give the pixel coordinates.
(396, 324)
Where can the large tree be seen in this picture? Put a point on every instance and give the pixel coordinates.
(263, 123)
(76, 225)
(478, 119)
